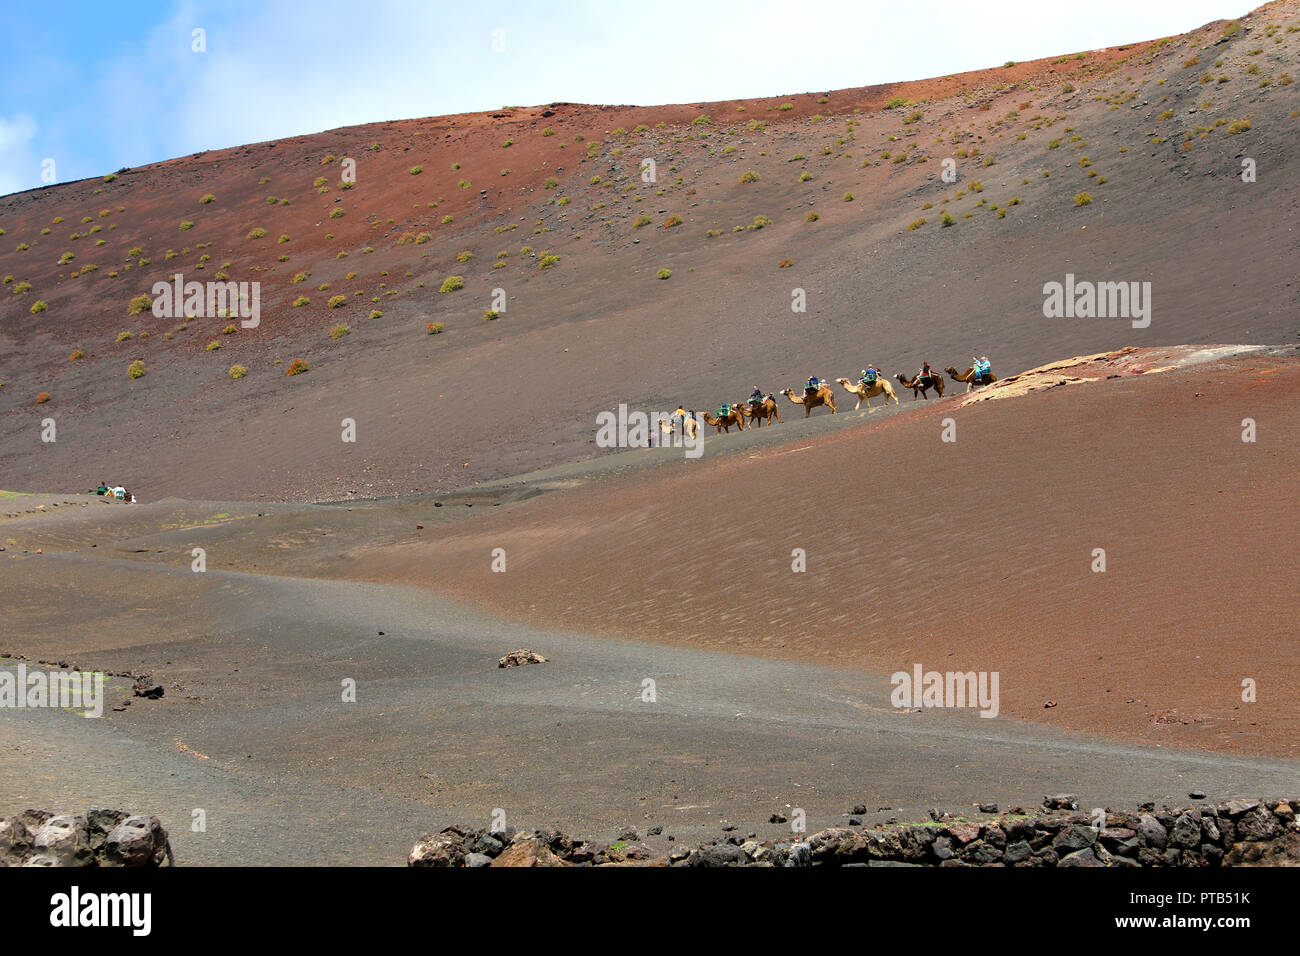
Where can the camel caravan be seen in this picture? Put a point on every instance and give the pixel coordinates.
(762, 408)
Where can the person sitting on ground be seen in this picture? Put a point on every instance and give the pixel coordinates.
(101, 490)
(119, 492)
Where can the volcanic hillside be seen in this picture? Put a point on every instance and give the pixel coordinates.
(1123, 164)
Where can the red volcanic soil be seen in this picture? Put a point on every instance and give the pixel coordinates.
(491, 398)
(976, 554)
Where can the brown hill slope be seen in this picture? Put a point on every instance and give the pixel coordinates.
(976, 554)
(1165, 136)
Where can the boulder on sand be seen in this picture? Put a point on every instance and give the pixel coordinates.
(520, 657)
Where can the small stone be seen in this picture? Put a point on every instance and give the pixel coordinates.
(521, 657)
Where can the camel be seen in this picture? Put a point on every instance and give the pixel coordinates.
(690, 430)
(760, 412)
(865, 394)
(822, 396)
(936, 383)
(734, 417)
(968, 377)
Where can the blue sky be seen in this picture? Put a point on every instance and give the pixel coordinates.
(98, 86)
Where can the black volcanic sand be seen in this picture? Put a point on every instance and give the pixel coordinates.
(252, 728)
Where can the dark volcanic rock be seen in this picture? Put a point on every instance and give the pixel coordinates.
(147, 687)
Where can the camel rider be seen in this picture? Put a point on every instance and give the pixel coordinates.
(869, 375)
(925, 374)
(985, 369)
(679, 417)
(724, 411)
(813, 385)
(756, 396)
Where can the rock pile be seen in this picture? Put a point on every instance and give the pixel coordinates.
(97, 838)
(520, 657)
(1234, 833)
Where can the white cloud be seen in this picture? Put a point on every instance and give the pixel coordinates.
(19, 164)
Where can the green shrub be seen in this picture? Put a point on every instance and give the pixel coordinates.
(663, 273)
(207, 199)
(1082, 199)
(452, 283)
(136, 369)
(337, 300)
(37, 307)
(238, 371)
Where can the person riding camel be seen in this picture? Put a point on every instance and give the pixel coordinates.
(869, 375)
(986, 369)
(756, 396)
(924, 376)
(814, 384)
